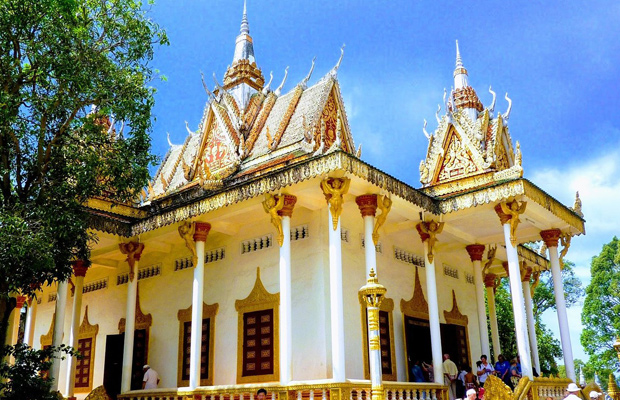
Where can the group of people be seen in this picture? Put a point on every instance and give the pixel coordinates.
(466, 383)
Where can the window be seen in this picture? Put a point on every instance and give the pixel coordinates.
(83, 365)
(258, 340)
(209, 311)
(258, 343)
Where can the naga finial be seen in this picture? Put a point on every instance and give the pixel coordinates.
(437, 113)
(169, 142)
(268, 85)
(334, 70)
(518, 155)
(217, 84)
(445, 93)
(206, 88)
(187, 128)
(304, 83)
(279, 89)
(428, 136)
(507, 115)
(358, 153)
(492, 108)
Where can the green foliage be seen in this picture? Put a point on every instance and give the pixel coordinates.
(71, 71)
(601, 308)
(549, 347)
(24, 379)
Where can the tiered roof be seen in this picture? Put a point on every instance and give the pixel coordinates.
(471, 146)
(248, 128)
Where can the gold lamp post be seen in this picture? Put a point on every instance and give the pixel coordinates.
(373, 293)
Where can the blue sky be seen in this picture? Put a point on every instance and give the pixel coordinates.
(558, 61)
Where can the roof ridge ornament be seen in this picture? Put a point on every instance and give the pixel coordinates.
(437, 113)
(492, 107)
(279, 89)
(334, 71)
(268, 85)
(507, 115)
(206, 88)
(304, 82)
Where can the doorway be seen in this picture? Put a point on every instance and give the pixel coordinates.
(113, 367)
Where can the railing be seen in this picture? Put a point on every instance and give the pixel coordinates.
(542, 388)
(315, 390)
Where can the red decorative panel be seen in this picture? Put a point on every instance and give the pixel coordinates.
(258, 343)
(204, 349)
(83, 364)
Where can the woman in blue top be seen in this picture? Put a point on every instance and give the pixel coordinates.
(502, 367)
(416, 372)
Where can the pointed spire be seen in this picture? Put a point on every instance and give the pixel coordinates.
(244, 49)
(464, 95)
(460, 73)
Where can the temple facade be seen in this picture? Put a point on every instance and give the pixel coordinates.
(241, 264)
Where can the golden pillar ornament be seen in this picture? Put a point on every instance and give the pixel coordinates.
(373, 294)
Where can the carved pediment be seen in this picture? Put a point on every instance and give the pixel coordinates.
(86, 329)
(454, 316)
(143, 321)
(259, 297)
(457, 161)
(416, 307)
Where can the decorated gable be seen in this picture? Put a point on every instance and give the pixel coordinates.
(457, 160)
(332, 127)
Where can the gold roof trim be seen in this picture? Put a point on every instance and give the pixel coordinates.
(310, 169)
(504, 191)
(114, 208)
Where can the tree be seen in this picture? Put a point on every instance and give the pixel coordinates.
(544, 299)
(72, 70)
(601, 307)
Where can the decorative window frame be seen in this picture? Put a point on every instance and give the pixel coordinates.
(259, 299)
(46, 340)
(454, 317)
(208, 311)
(416, 307)
(387, 305)
(88, 331)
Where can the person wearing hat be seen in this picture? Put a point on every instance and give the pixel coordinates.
(471, 394)
(594, 395)
(151, 378)
(572, 390)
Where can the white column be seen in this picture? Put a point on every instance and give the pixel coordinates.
(286, 326)
(130, 327)
(15, 317)
(433, 316)
(531, 323)
(133, 250)
(79, 271)
(369, 248)
(497, 350)
(31, 317)
(551, 238)
(200, 237)
(518, 306)
(475, 253)
(59, 323)
(336, 300)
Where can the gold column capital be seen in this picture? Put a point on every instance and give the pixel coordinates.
(201, 231)
(428, 232)
(334, 189)
(551, 237)
(509, 213)
(367, 204)
(475, 251)
(288, 206)
(79, 267)
(490, 280)
(133, 250)
(526, 272)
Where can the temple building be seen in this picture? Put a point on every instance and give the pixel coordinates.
(266, 253)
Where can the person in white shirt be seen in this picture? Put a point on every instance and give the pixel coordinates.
(572, 390)
(151, 378)
(594, 395)
(450, 373)
(484, 370)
